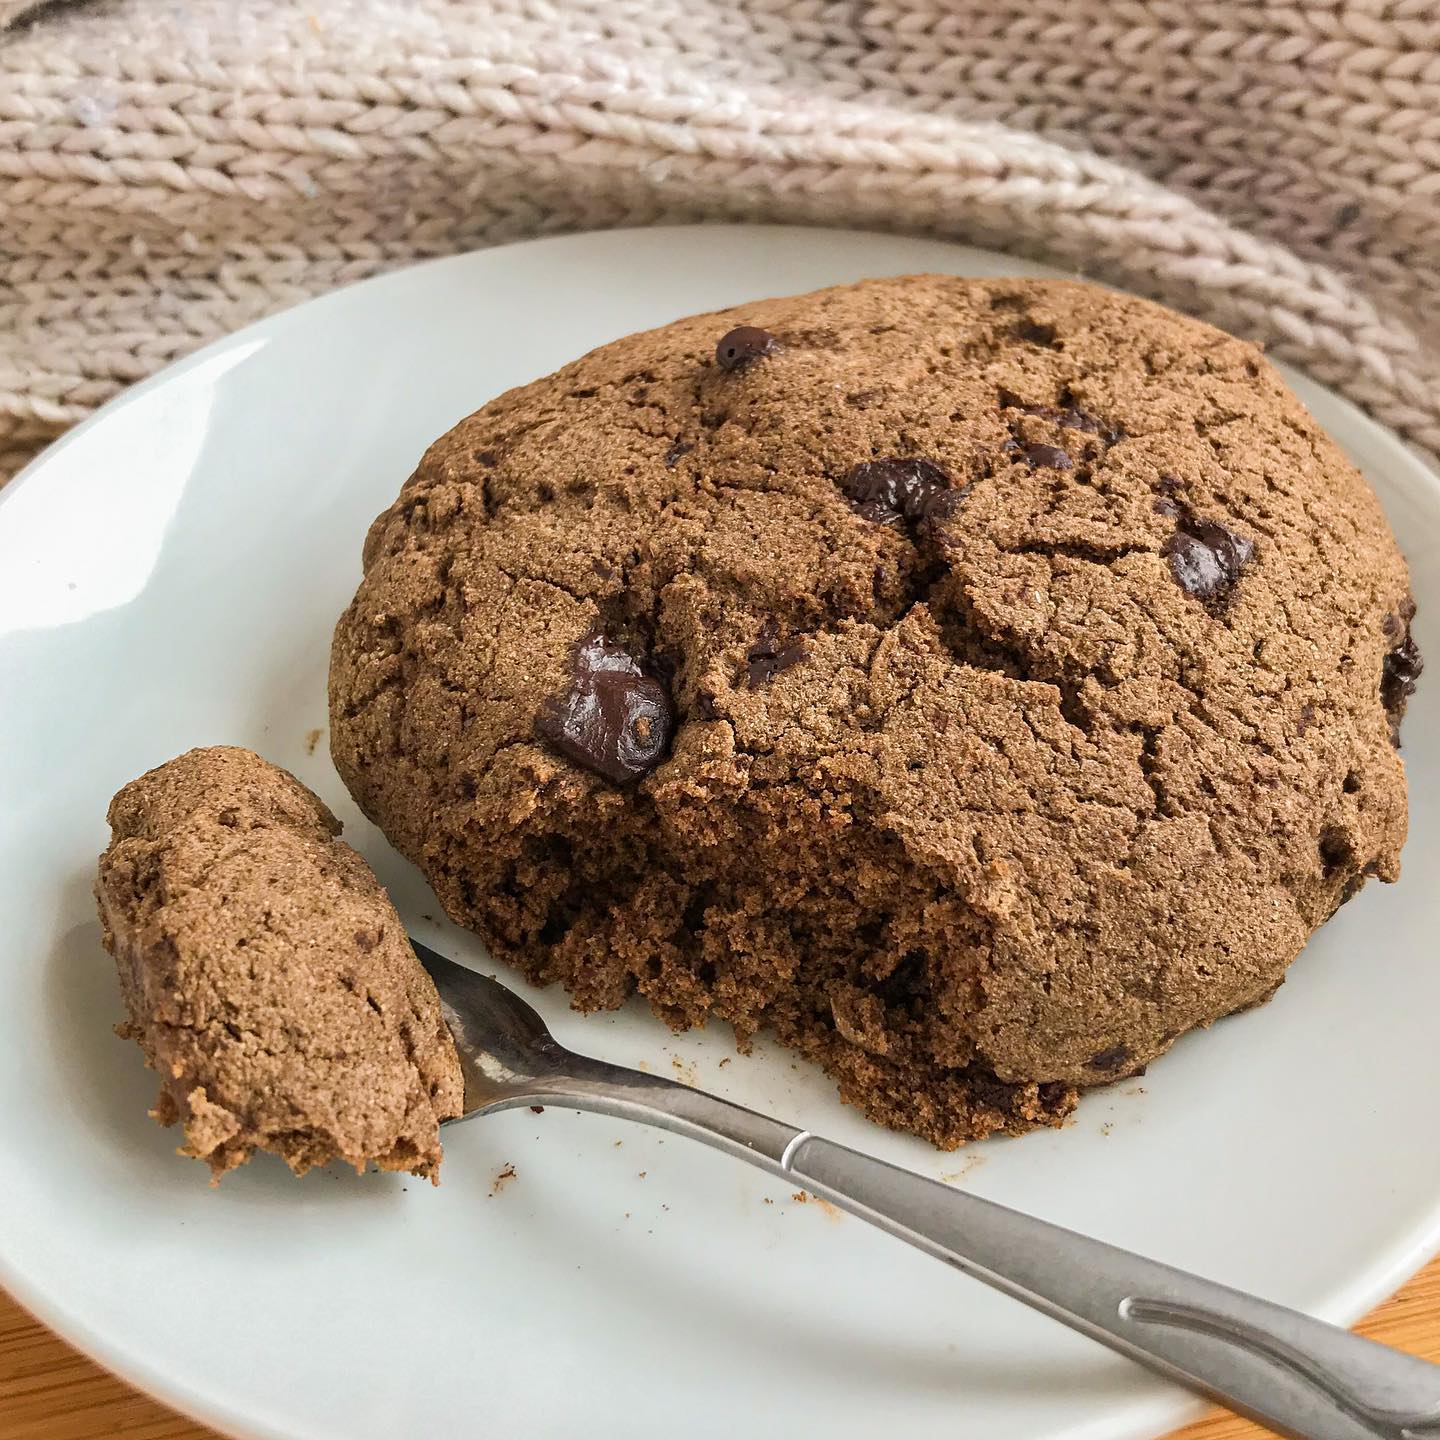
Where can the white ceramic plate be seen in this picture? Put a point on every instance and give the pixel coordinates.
(169, 575)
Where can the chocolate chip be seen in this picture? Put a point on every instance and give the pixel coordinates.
(705, 706)
(673, 454)
(615, 719)
(889, 491)
(488, 458)
(366, 940)
(742, 346)
(1400, 669)
(1049, 456)
(537, 1109)
(942, 504)
(1206, 559)
(766, 658)
(1111, 1059)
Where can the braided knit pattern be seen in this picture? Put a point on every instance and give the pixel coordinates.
(173, 169)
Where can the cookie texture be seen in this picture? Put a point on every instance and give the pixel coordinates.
(978, 682)
(267, 976)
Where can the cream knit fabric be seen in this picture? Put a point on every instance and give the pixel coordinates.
(171, 169)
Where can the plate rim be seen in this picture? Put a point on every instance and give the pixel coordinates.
(1405, 1257)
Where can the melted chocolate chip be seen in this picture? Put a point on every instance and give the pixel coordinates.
(673, 454)
(767, 657)
(614, 719)
(1399, 670)
(889, 491)
(1111, 1059)
(742, 346)
(1206, 559)
(943, 504)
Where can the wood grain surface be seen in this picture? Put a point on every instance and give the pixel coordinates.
(49, 1392)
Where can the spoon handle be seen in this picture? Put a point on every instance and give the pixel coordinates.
(1300, 1376)
(1293, 1373)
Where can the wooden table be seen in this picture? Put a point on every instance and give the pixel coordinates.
(48, 1392)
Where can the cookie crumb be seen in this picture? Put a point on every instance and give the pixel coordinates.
(319, 1038)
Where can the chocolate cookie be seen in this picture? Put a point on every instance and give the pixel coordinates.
(267, 976)
(979, 682)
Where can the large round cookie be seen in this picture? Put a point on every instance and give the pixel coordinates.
(981, 683)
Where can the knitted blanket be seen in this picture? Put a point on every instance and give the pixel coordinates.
(172, 169)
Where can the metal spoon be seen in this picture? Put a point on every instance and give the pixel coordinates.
(1298, 1375)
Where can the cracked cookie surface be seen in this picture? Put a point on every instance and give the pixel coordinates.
(1028, 660)
(267, 976)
